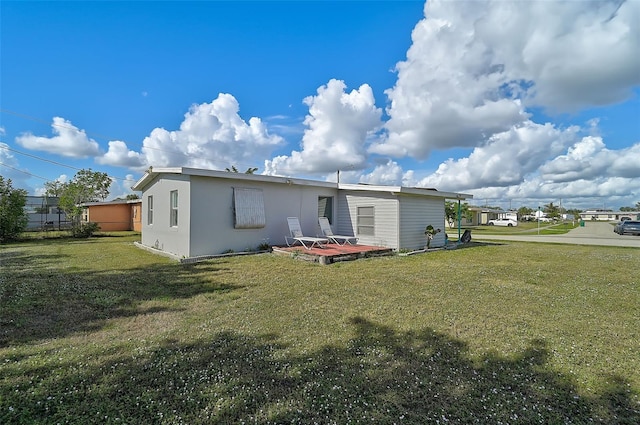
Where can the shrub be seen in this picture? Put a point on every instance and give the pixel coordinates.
(13, 219)
(84, 230)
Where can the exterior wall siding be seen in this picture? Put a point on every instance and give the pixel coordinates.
(212, 214)
(386, 217)
(416, 213)
(206, 214)
(110, 218)
(160, 235)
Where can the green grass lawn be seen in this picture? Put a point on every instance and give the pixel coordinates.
(99, 331)
(523, 228)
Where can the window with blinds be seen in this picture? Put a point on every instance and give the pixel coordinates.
(248, 209)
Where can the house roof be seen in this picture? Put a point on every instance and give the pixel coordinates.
(152, 173)
(113, 202)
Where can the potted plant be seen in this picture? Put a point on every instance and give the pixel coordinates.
(430, 232)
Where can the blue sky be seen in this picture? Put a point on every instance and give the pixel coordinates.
(518, 103)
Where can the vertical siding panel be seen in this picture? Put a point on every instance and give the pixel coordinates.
(386, 216)
(416, 213)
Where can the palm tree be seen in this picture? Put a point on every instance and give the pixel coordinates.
(233, 169)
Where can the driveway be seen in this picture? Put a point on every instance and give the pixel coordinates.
(593, 233)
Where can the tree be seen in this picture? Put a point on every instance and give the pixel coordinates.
(627, 209)
(233, 169)
(551, 210)
(86, 186)
(451, 212)
(132, 196)
(13, 217)
(575, 212)
(524, 211)
(638, 206)
(53, 188)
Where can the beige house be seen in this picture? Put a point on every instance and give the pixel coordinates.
(601, 215)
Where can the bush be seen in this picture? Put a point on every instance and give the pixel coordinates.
(13, 219)
(84, 230)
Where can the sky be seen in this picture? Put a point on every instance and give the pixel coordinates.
(519, 103)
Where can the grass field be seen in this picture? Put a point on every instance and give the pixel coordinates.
(523, 228)
(98, 331)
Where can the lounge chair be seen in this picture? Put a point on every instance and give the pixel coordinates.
(328, 233)
(296, 236)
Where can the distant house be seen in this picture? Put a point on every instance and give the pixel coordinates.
(603, 215)
(114, 215)
(43, 213)
(193, 212)
(481, 215)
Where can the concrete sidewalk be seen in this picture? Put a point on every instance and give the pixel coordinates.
(593, 233)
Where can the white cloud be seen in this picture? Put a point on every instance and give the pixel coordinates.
(119, 155)
(389, 173)
(506, 159)
(338, 125)
(212, 135)
(11, 168)
(474, 67)
(590, 159)
(601, 192)
(68, 141)
(120, 189)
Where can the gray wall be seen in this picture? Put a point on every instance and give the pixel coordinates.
(206, 216)
(386, 217)
(416, 213)
(212, 230)
(160, 234)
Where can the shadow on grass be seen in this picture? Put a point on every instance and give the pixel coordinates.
(39, 300)
(380, 376)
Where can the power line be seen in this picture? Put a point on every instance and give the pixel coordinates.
(6, 147)
(22, 171)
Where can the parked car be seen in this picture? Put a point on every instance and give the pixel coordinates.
(630, 227)
(503, 222)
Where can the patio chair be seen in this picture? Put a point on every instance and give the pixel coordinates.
(296, 236)
(328, 233)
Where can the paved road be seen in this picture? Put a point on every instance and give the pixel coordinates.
(593, 233)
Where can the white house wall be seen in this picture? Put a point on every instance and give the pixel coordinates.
(212, 224)
(160, 234)
(416, 213)
(385, 221)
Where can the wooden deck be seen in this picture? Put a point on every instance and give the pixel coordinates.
(332, 253)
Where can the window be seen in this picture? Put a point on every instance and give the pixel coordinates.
(325, 207)
(366, 221)
(149, 210)
(173, 218)
(248, 209)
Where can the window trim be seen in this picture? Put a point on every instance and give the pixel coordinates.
(150, 210)
(328, 209)
(173, 208)
(361, 226)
